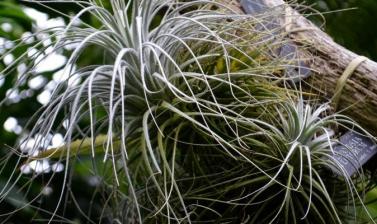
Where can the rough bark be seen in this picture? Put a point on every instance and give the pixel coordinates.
(328, 62)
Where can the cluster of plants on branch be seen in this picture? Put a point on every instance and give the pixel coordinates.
(192, 118)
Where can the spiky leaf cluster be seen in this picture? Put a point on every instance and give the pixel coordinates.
(191, 116)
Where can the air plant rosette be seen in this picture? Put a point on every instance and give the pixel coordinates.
(192, 118)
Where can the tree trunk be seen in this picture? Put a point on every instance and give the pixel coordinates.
(328, 61)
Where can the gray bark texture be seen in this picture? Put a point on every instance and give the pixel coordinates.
(328, 60)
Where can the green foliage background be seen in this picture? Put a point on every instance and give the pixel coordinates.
(354, 28)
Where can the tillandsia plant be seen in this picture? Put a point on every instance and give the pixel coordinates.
(190, 118)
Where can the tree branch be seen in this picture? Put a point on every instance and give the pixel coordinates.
(328, 60)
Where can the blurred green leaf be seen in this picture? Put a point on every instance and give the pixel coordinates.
(14, 195)
(13, 12)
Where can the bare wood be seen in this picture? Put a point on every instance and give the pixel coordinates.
(328, 61)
